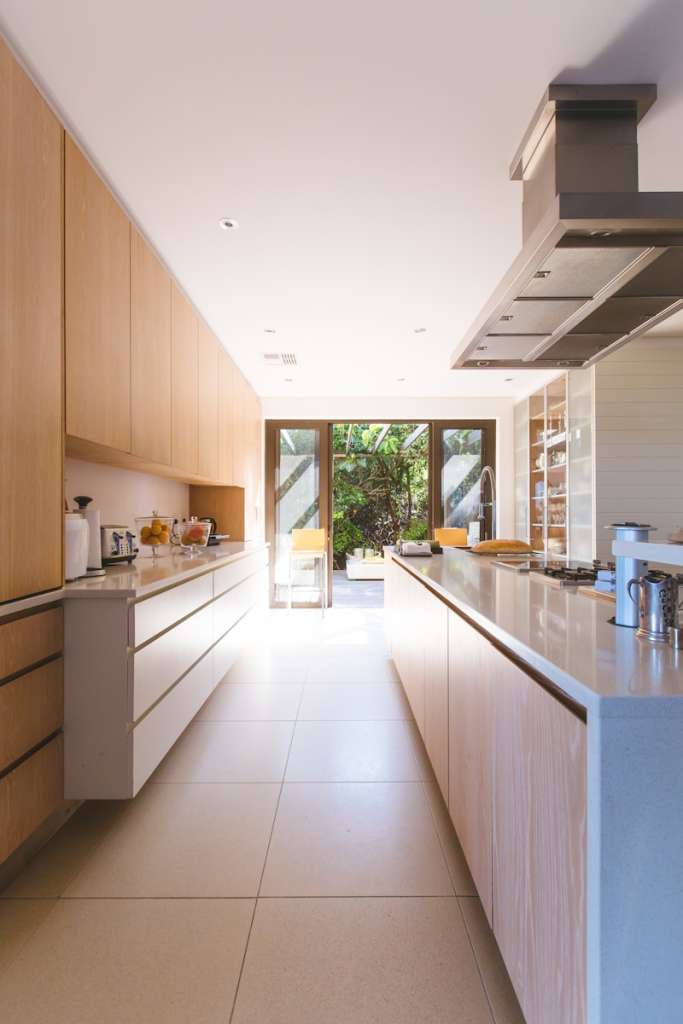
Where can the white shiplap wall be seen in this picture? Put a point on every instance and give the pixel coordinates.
(639, 438)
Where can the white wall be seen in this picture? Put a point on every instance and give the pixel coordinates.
(639, 438)
(413, 409)
(123, 494)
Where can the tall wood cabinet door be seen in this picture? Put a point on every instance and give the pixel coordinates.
(207, 410)
(539, 916)
(240, 446)
(97, 307)
(150, 353)
(31, 378)
(436, 691)
(226, 416)
(470, 750)
(184, 366)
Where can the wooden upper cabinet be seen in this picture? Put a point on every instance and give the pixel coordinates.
(97, 313)
(472, 665)
(226, 416)
(207, 397)
(150, 353)
(31, 316)
(184, 365)
(539, 847)
(241, 441)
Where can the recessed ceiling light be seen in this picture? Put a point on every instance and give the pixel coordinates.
(288, 380)
(228, 223)
(400, 380)
(419, 330)
(269, 330)
(508, 380)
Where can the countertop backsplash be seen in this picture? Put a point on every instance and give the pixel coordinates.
(123, 494)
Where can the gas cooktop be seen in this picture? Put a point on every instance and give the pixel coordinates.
(558, 572)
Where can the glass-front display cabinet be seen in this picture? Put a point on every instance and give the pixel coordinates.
(548, 461)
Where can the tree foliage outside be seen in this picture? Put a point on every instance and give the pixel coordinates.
(380, 491)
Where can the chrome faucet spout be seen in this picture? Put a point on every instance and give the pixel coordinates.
(487, 473)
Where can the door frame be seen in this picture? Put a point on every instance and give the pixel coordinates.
(271, 431)
(488, 458)
(326, 459)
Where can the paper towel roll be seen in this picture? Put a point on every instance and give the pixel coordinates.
(94, 520)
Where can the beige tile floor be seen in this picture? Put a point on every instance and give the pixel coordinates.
(290, 861)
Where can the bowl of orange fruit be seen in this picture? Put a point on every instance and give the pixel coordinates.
(194, 534)
(154, 533)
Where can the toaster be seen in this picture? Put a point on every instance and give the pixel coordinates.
(119, 544)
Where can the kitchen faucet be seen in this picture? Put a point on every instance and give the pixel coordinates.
(487, 471)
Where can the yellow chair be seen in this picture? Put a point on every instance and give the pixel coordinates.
(451, 536)
(306, 545)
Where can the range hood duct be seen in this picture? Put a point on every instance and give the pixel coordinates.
(601, 262)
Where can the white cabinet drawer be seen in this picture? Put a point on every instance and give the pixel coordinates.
(158, 731)
(230, 575)
(229, 608)
(160, 663)
(227, 651)
(157, 613)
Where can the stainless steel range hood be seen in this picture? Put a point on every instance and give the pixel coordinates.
(601, 262)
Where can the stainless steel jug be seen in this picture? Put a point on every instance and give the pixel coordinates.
(657, 598)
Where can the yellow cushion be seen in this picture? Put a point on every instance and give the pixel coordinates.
(308, 540)
(451, 536)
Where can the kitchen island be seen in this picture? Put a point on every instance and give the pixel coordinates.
(144, 646)
(557, 741)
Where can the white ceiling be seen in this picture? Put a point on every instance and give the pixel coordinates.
(362, 146)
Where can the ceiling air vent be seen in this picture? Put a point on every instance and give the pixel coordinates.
(279, 359)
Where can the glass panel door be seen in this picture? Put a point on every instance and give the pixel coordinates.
(297, 500)
(461, 452)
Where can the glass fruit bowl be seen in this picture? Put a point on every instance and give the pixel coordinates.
(154, 534)
(193, 534)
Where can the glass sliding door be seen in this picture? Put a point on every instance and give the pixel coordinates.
(297, 499)
(461, 450)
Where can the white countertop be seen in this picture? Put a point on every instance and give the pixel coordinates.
(146, 575)
(141, 578)
(563, 635)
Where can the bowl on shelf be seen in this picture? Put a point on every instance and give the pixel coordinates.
(154, 534)
(193, 534)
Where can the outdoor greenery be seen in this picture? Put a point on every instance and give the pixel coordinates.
(380, 491)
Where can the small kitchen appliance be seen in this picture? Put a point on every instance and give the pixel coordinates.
(119, 544)
(656, 604)
(627, 569)
(415, 548)
(76, 540)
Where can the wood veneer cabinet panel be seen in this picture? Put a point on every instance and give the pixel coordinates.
(184, 362)
(31, 335)
(436, 692)
(471, 671)
(30, 639)
(207, 398)
(31, 708)
(539, 856)
(150, 353)
(30, 793)
(97, 307)
(226, 416)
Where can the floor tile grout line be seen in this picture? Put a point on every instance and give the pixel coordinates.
(238, 899)
(476, 961)
(263, 869)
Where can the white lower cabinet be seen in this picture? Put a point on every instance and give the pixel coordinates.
(153, 737)
(127, 699)
(510, 758)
